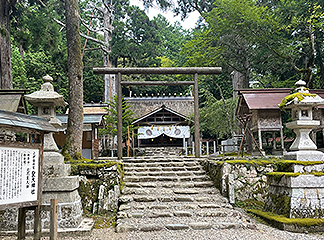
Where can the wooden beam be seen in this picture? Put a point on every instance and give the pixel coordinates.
(176, 70)
(119, 118)
(160, 83)
(196, 112)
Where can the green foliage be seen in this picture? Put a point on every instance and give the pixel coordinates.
(111, 118)
(213, 117)
(18, 70)
(271, 42)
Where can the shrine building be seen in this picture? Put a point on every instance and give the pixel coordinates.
(162, 121)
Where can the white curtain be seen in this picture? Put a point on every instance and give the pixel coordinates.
(170, 131)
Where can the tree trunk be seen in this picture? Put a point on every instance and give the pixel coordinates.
(237, 81)
(73, 141)
(319, 58)
(109, 79)
(311, 60)
(5, 49)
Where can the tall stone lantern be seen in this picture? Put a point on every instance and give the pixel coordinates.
(301, 105)
(298, 190)
(57, 184)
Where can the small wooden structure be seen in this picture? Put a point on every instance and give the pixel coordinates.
(262, 104)
(90, 139)
(161, 71)
(21, 160)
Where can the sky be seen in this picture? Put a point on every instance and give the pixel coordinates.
(188, 23)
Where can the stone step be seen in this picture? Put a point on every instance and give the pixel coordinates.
(161, 164)
(166, 178)
(214, 205)
(164, 173)
(166, 169)
(173, 194)
(193, 184)
(179, 191)
(180, 223)
(158, 159)
(193, 213)
(170, 198)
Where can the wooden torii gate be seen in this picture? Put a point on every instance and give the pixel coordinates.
(160, 71)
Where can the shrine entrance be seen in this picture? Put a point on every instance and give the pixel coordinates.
(161, 141)
(163, 128)
(160, 71)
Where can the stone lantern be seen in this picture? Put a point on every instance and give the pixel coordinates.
(57, 183)
(298, 191)
(46, 100)
(302, 118)
(302, 123)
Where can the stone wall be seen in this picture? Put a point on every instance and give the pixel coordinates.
(99, 185)
(240, 180)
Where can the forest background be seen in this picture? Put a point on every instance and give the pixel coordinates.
(269, 43)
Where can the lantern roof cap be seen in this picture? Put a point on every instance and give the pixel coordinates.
(46, 94)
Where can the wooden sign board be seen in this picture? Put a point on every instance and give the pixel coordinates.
(20, 174)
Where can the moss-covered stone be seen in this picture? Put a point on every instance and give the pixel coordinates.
(278, 175)
(287, 165)
(280, 204)
(302, 222)
(98, 173)
(299, 95)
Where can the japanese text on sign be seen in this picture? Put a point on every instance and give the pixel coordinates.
(18, 175)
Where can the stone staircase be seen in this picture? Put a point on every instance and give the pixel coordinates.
(163, 151)
(172, 193)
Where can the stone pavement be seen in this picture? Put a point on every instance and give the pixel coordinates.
(173, 193)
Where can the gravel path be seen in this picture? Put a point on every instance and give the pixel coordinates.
(262, 232)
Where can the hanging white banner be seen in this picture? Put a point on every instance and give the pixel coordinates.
(170, 131)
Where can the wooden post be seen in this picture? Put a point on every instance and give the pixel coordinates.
(37, 224)
(214, 144)
(193, 148)
(207, 148)
(53, 221)
(22, 223)
(196, 112)
(119, 118)
(282, 139)
(127, 141)
(133, 143)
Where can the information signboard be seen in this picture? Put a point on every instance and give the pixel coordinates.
(19, 175)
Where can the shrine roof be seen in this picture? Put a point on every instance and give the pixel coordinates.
(11, 100)
(87, 119)
(263, 98)
(158, 110)
(14, 119)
